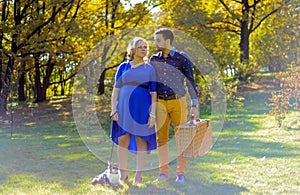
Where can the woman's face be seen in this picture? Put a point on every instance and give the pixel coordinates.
(141, 49)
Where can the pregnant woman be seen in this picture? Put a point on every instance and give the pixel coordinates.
(133, 104)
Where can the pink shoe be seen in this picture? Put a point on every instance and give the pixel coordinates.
(125, 179)
(137, 180)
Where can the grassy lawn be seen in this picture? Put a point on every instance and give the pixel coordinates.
(251, 156)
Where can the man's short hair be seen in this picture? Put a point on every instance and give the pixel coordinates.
(166, 33)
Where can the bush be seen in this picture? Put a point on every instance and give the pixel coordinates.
(287, 98)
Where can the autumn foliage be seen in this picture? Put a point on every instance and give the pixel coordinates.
(288, 96)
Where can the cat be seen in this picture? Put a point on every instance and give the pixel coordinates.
(113, 173)
(110, 176)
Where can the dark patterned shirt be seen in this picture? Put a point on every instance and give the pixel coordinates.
(172, 71)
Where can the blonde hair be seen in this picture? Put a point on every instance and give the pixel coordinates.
(132, 46)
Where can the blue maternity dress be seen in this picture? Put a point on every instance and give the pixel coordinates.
(134, 104)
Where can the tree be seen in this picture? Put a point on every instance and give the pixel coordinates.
(116, 19)
(40, 38)
(276, 43)
(238, 19)
(246, 24)
(26, 22)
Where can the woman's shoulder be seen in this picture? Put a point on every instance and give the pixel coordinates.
(124, 65)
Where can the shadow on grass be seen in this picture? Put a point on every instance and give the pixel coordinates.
(234, 138)
(189, 187)
(54, 153)
(51, 152)
(258, 149)
(256, 103)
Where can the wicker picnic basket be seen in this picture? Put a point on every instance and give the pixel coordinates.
(194, 138)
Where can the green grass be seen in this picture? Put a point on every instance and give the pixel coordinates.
(250, 156)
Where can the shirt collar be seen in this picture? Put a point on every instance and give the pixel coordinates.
(171, 54)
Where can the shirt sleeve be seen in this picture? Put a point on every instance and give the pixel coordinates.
(188, 72)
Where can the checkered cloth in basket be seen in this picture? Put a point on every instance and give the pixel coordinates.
(194, 138)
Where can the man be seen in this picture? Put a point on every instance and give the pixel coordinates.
(172, 68)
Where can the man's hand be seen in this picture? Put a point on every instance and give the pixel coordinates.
(194, 111)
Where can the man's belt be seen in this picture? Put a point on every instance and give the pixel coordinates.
(168, 97)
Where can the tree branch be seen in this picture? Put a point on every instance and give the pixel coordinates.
(4, 15)
(224, 28)
(231, 13)
(44, 41)
(38, 28)
(255, 3)
(111, 67)
(263, 19)
(231, 23)
(27, 4)
(237, 1)
(252, 17)
(156, 5)
(68, 10)
(253, 13)
(74, 74)
(66, 79)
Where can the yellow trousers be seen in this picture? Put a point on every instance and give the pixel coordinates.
(167, 111)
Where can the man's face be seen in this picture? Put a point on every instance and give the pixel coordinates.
(160, 42)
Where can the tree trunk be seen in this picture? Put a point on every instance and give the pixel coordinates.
(37, 81)
(62, 86)
(7, 85)
(8, 76)
(1, 60)
(244, 41)
(101, 86)
(62, 83)
(21, 87)
(46, 79)
(3, 19)
(11, 60)
(40, 96)
(21, 79)
(41, 89)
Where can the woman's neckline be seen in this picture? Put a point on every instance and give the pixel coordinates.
(136, 66)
